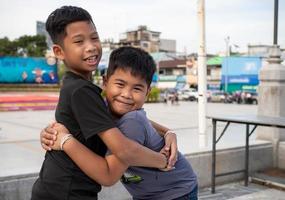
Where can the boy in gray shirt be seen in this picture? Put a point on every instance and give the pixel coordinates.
(155, 183)
(127, 85)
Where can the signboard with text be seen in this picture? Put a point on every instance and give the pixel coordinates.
(27, 70)
(240, 73)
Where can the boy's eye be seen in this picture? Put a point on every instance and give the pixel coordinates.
(138, 89)
(120, 84)
(78, 41)
(95, 38)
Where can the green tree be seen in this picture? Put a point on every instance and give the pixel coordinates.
(153, 95)
(7, 48)
(32, 46)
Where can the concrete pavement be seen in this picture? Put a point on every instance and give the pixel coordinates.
(19, 133)
(237, 191)
(21, 152)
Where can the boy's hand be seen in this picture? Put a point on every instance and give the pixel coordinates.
(171, 148)
(166, 154)
(51, 135)
(61, 132)
(48, 136)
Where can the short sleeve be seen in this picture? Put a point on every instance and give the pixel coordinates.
(134, 129)
(90, 111)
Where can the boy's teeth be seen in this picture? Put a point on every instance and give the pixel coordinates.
(91, 59)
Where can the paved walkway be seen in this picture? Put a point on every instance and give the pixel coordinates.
(21, 153)
(19, 132)
(237, 191)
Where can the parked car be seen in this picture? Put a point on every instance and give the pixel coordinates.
(220, 96)
(190, 94)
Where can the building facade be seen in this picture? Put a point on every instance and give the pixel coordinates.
(167, 45)
(142, 38)
(41, 30)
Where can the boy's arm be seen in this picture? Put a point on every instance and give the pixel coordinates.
(130, 152)
(159, 128)
(106, 171)
(170, 141)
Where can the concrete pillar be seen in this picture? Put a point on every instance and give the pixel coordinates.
(271, 99)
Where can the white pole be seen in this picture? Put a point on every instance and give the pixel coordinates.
(227, 40)
(202, 80)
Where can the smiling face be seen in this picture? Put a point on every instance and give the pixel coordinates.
(125, 92)
(81, 48)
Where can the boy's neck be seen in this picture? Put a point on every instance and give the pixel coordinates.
(87, 76)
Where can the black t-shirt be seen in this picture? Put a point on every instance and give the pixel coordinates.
(84, 113)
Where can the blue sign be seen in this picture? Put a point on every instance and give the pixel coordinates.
(27, 70)
(241, 70)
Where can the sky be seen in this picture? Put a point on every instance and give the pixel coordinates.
(243, 21)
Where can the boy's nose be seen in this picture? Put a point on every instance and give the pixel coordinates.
(91, 47)
(126, 94)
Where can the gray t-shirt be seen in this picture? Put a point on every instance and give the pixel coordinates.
(156, 185)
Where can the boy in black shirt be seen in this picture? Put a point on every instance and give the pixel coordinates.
(82, 110)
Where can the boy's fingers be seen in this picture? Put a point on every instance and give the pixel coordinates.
(47, 142)
(170, 162)
(167, 169)
(50, 130)
(45, 147)
(51, 124)
(173, 156)
(171, 149)
(167, 147)
(48, 136)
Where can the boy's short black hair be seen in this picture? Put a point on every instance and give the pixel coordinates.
(139, 62)
(61, 17)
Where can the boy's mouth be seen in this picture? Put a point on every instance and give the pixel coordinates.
(92, 60)
(126, 103)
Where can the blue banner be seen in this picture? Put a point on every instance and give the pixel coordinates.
(241, 79)
(241, 70)
(27, 70)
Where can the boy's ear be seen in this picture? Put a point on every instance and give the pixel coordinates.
(58, 52)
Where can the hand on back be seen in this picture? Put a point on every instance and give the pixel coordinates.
(51, 136)
(170, 149)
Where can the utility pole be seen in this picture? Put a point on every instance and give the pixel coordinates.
(227, 40)
(275, 31)
(202, 81)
